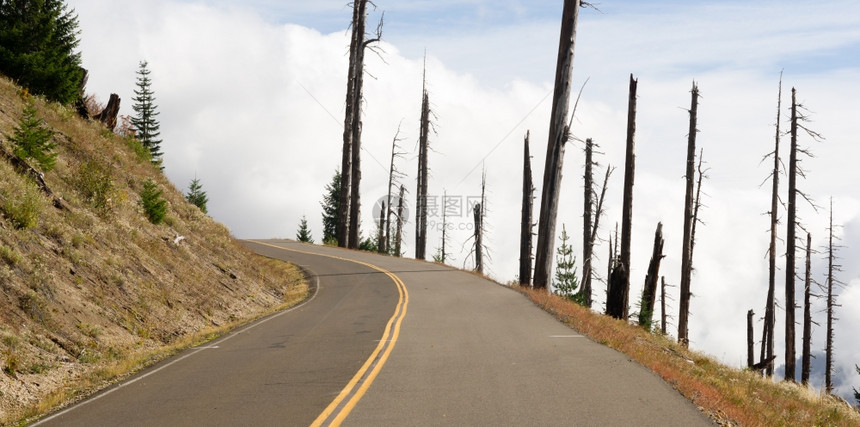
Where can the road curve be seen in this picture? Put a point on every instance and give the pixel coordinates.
(467, 352)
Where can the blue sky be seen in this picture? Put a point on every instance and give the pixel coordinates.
(264, 144)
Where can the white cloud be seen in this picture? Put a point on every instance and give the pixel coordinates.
(254, 109)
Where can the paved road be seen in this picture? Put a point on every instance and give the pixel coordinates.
(424, 345)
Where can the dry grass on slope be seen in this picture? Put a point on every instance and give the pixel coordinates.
(730, 396)
(97, 291)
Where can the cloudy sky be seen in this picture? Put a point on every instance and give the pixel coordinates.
(251, 97)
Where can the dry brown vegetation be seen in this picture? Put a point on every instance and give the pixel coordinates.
(729, 396)
(97, 291)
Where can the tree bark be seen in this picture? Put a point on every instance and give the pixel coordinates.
(619, 286)
(790, 240)
(807, 316)
(558, 136)
(750, 347)
(687, 242)
(526, 224)
(649, 291)
(109, 114)
(769, 318)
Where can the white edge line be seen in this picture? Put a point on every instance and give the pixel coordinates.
(192, 353)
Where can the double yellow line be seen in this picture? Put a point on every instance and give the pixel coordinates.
(343, 404)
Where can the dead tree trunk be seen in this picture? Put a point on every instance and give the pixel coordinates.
(398, 236)
(442, 253)
(349, 116)
(526, 224)
(38, 177)
(790, 240)
(558, 136)
(750, 347)
(805, 355)
(619, 283)
(687, 242)
(649, 291)
(663, 305)
(587, 240)
(769, 318)
(380, 238)
(393, 174)
(832, 268)
(110, 112)
(586, 293)
(421, 202)
(479, 248)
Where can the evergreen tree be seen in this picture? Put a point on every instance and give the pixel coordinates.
(38, 39)
(144, 123)
(196, 196)
(331, 207)
(857, 392)
(565, 282)
(153, 204)
(304, 234)
(32, 140)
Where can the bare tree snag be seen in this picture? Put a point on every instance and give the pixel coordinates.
(398, 236)
(619, 283)
(380, 238)
(526, 223)
(110, 112)
(790, 240)
(349, 116)
(587, 205)
(663, 305)
(768, 330)
(558, 136)
(832, 282)
(586, 292)
(393, 176)
(421, 201)
(805, 355)
(479, 254)
(750, 347)
(649, 291)
(687, 242)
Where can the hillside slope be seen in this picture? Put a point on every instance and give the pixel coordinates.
(96, 290)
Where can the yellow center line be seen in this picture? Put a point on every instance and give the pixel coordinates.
(345, 402)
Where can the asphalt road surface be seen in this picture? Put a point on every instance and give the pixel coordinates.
(397, 342)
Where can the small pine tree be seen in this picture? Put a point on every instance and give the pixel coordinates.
(304, 234)
(153, 204)
(196, 196)
(331, 206)
(32, 140)
(38, 39)
(144, 123)
(565, 282)
(857, 392)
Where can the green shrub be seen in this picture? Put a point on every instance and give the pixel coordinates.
(23, 208)
(10, 256)
(153, 204)
(95, 182)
